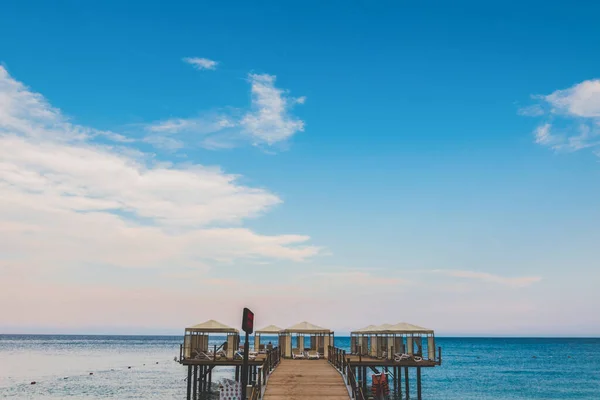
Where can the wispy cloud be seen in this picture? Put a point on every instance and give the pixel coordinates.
(534, 110)
(544, 136)
(581, 100)
(201, 63)
(362, 278)
(68, 200)
(487, 277)
(267, 121)
(571, 117)
(164, 142)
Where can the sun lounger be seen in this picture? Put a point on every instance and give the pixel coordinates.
(402, 357)
(240, 356)
(313, 355)
(298, 354)
(207, 355)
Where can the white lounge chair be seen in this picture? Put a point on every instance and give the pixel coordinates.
(240, 356)
(207, 355)
(402, 357)
(313, 355)
(299, 354)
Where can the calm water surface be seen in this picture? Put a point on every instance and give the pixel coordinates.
(472, 368)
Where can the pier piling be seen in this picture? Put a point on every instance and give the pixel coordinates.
(189, 383)
(406, 383)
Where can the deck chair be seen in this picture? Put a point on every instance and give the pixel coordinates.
(240, 356)
(401, 357)
(261, 349)
(313, 355)
(206, 355)
(296, 353)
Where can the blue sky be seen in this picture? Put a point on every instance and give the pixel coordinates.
(440, 158)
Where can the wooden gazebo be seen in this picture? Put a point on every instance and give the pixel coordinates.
(196, 338)
(271, 330)
(320, 339)
(383, 341)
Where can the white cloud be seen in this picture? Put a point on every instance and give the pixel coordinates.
(164, 142)
(574, 112)
(269, 121)
(487, 277)
(174, 125)
(544, 136)
(534, 110)
(66, 200)
(201, 63)
(581, 100)
(360, 278)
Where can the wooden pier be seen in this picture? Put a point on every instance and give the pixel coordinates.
(305, 380)
(371, 369)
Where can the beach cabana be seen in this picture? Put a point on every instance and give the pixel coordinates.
(383, 341)
(408, 338)
(196, 339)
(271, 330)
(370, 340)
(320, 339)
(359, 340)
(378, 340)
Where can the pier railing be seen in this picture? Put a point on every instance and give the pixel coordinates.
(337, 357)
(271, 361)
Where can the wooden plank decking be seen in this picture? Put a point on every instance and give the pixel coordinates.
(305, 380)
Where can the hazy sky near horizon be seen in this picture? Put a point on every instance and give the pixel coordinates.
(345, 163)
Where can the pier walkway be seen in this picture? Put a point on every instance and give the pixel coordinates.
(305, 380)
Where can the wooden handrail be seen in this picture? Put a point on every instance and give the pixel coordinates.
(337, 357)
(270, 362)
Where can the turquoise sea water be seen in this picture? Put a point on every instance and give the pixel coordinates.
(473, 368)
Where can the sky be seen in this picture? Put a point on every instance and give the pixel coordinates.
(344, 162)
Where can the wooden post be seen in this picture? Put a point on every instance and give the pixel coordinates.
(418, 383)
(210, 379)
(206, 369)
(359, 376)
(195, 395)
(364, 379)
(189, 383)
(400, 383)
(406, 383)
(237, 373)
(395, 369)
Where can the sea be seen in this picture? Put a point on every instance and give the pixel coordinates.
(144, 367)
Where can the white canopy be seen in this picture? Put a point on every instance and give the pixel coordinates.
(401, 327)
(306, 327)
(405, 327)
(269, 329)
(212, 326)
(365, 329)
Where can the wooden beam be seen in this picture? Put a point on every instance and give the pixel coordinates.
(195, 395)
(406, 383)
(189, 383)
(419, 383)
